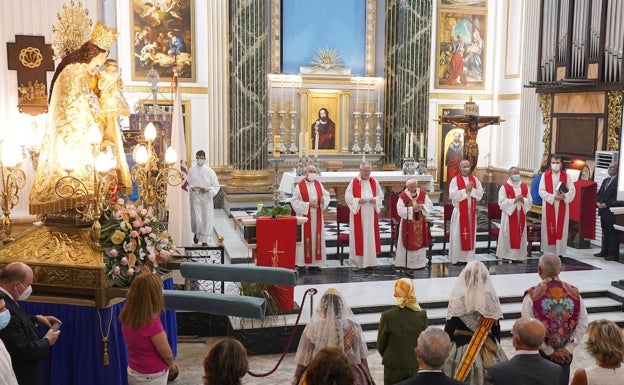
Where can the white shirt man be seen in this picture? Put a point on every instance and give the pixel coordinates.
(204, 186)
(515, 201)
(465, 190)
(555, 208)
(364, 196)
(413, 206)
(310, 199)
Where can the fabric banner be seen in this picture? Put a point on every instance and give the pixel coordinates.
(276, 242)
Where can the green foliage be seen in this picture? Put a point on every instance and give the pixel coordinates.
(259, 290)
(275, 211)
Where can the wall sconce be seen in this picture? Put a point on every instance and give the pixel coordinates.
(13, 180)
(149, 176)
(90, 205)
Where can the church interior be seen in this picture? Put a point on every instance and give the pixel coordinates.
(410, 87)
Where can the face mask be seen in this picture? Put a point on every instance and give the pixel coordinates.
(5, 318)
(555, 166)
(200, 162)
(466, 170)
(515, 177)
(25, 294)
(311, 176)
(613, 171)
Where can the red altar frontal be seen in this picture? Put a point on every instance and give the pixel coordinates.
(276, 240)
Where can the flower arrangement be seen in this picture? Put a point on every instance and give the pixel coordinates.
(133, 241)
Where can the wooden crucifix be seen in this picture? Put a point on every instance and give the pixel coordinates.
(31, 57)
(471, 123)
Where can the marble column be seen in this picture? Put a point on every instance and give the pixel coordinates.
(531, 126)
(408, 49)
(248, 89)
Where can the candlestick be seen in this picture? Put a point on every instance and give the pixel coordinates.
(422, 144)
(368, 92)
(357, 94)
(316, 140)
(301, 143)
(282, 96)
(293, 97)
(411, 149)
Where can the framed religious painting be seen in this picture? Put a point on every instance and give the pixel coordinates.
(450, 145)
(461, 48)
(163, 35)
(323, 122)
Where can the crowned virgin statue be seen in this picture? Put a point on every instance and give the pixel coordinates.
(74, 108)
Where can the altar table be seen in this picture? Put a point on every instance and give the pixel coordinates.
(77, 356)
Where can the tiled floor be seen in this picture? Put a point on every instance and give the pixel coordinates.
(432, 284)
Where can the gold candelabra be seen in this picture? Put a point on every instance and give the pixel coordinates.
(148, 175)
(13, 180)
(91, 203)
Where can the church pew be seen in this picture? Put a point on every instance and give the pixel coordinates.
(227, 304)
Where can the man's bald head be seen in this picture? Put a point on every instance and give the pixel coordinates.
(15, 272)
(529, 334)
(412, 185)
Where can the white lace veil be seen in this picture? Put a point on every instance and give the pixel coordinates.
(474, 293)
(332, 325)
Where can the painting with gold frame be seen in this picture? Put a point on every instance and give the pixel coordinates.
(461, 48)
(449, 152)
(162, 34)
(329, 142)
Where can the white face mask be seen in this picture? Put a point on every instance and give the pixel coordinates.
(25, 294)
(555, 166)
(200, 162)
(515, 177)
(311, 176)
(465, 170)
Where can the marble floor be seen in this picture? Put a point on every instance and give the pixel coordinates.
(433, 284)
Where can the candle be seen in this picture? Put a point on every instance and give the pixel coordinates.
(379, 85)
(368, 92)
(357, 94)
(293, 97)
(301, 143)
(411, 149)
(316, 140)
(282, 96)
(422, 144)
(407, 145)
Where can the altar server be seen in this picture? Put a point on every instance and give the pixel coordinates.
(413, 206)
(515, 201)
(465, 190)
(310, 199)
(364, 196)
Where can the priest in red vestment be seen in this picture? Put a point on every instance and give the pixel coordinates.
(413, 206)
(364, 196)
(465, 191)
(515, 201)
(557, 191)
(310, 199)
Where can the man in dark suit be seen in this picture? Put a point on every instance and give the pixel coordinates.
(434, 346)
(21, 337)
(606, 198)
(527, 367)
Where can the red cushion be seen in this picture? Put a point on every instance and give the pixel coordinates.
(494, 233)
(447, 234)
(343, 238)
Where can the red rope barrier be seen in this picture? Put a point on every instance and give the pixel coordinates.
(290, 340)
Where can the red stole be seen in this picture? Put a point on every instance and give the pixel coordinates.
(467, 222)
(554, 232)
(307, 227)
(517, 219)
(357, 218)
(414, 230)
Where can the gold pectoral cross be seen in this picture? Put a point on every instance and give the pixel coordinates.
(275, 252)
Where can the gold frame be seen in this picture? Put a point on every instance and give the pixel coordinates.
(442, 143)
(155, 25)
(315, 100)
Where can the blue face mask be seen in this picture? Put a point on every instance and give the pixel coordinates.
(515, 177)
(5, 318)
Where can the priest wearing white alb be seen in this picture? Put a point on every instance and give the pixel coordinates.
(203, 187)
(515, 201)
(310, 199)
(364, 196)
(555, 207)
(464, 190)
(413, 206)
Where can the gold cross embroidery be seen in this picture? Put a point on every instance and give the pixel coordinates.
(275, 252)
(465, 234)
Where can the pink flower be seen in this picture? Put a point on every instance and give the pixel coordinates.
(153, 236)
(120, 202)
(132, 213)
(134, 234)
(151, 257)
(116, 270)
(130, 271)
(113, 253)
(143, 212)
(136, 223)
(146, 221)
(124, 261)
(145, 230)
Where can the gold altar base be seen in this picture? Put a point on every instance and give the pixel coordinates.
(250, 181)
(64, 261)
